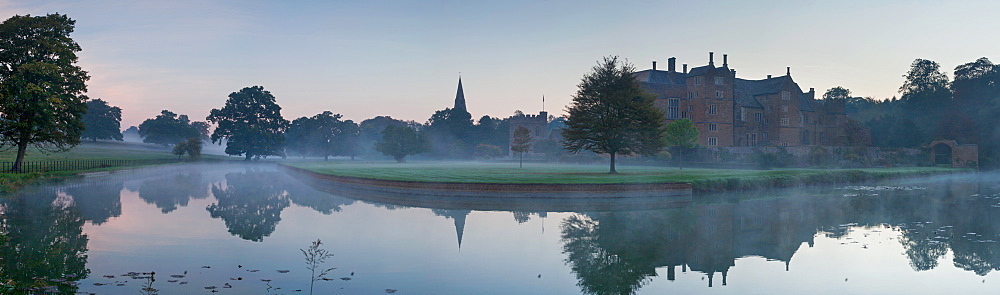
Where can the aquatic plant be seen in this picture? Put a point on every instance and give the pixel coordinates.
(315, 258)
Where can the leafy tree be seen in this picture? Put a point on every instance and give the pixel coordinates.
(41, 87)
(450, 130)
(488, 151)
(322, 135)
(191, 147)
(856, 134)
(401, 141)
(251, 123)
(925, 94)
(131, 134)
(168, 128)
(836, 93)
(102, 121)
(683, 135)
(612, 114)
(521, 143)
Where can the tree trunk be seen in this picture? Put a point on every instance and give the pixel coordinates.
(326, 158)
(400, 159)
(613, 171)
(248, 157)
(680, 158)
(520, 163)
(22, 148)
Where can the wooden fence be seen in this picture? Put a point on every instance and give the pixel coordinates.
(70, 165)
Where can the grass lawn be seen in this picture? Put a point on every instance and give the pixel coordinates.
(702, 179)
(101, 150)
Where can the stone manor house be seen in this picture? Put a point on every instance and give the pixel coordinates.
(734, 112)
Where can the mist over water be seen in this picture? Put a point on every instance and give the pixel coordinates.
(247, 222)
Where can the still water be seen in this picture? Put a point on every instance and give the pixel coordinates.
(202, 229)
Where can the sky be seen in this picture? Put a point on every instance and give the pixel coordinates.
(403, 59)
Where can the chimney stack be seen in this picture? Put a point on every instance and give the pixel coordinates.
(725, 60)
(734, 72)
(685, 68)
(812, 90)
(654, 65)
(788, 71)
(769, 76)
(672, 64)
(711, 58)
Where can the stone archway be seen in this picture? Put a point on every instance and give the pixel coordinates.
(949, 152)
(941, 154)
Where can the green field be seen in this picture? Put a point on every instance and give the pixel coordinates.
(535, 173)
(101, 150)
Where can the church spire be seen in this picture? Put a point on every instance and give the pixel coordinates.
(460, 226)
(460, 97)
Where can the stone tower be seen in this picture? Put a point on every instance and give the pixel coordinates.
(460, 97)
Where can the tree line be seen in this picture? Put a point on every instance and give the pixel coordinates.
(931, 106)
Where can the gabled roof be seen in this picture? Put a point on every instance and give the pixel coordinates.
(807, 102)
(660, 77)
(747, 89)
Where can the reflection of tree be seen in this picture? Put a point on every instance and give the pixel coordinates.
(169, 192)
(250, 203)
(97, 201)
(43, 242)
(304, 195)
(618, 252)
(921, 247)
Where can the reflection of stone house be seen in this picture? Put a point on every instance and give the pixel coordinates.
(730, 111)
(949, 152)
(538, 124)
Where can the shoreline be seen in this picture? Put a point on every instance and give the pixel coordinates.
(763, 180)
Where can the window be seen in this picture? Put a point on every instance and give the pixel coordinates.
(673, 108)
(785, 95)
(805, 137)
(743, 114)
(758, 117)
(752, 139)
(690, 95)
(718, 80)
(713, 127)
(784, 108)
(784, 144)
(718, 94)
(684, 114)
(713, 109)
(784, 121)
(713, 141)
(764, 136)
(697, 80)
(690, 108)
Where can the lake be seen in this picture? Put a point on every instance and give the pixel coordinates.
(243, 229)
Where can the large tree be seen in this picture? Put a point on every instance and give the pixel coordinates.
(521, 143)
(401, 141)
(322, 135)
(102, 121)
(611, 114)
(683, 135)
(251, 124)
(168, 128)
(41, 87)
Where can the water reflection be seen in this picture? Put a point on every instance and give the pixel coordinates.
(250, 201)
(608, 250)
(618, 252)
(173, 190)
(97, 201)
(42, 245)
